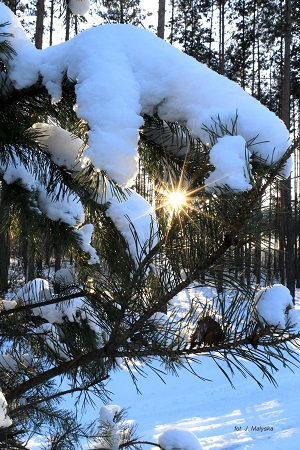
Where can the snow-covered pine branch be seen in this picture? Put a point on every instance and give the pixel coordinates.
(117, 81)
(137, 297)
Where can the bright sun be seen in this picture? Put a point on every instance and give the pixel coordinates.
(176, 199)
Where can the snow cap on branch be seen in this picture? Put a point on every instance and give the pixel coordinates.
(68, 209)
(107, 416)
(85, 234)
(134, 216)
(62, 146)
(230, 157)
(275, 306)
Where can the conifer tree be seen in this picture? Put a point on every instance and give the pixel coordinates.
(122, 11)
(191, 28)
(116, 306)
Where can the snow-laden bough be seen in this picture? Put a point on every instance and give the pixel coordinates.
(122, 72)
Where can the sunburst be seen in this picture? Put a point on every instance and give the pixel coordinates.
(176, 199)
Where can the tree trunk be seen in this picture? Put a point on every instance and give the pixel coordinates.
(51, 23)
(57, 261)
(39, 28)
(286, 190)
(30, 275)
(67, 36)
(4, 247)
(222, 37)
(172, 21)
(121, 12)
(161, 19)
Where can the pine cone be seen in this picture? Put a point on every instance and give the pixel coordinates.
(208, 332)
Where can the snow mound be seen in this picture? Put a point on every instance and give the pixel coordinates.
(275, 306)
(179, 439)
(63, 278)
(33, 291)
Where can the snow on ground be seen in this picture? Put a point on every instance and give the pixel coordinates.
(221, 417)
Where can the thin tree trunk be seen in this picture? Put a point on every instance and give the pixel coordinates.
(39, 267)
(30, 275)
(51, 22)
(67, 24)
(39, 28)
(57, 261)
(161, 19)
(121, 12)
(222, 37)
(282, 235)
(5, 251)
(286, 191)
(172, 21)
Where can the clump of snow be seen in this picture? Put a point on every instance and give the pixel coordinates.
(117, 81)
(85, 234)
(32, 291)
(230, 156)
(52, 336)
(63, 278)
(62, 145)
(67, 209)
(79, 7)
(275, 306)
(134, 211)
(179, 439)
(159, 318)
(5, 421)
(107, 416)
(8, 304)
(38, 290)
(108, 413)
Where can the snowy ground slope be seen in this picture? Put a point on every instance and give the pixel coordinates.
(221, 417)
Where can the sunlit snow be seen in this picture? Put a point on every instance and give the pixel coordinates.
(122, 72)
